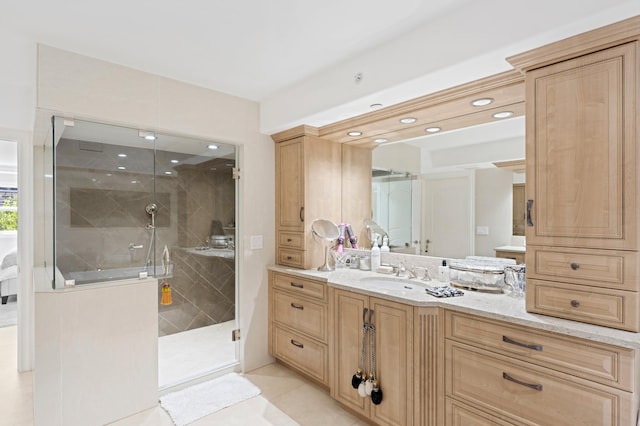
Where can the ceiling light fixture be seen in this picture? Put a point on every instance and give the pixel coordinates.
(150, 136)
(212, 146)
(503, 114)
(375, 106)
(122, 168)
(408, 120)
(168, 173)
(432, 129)
(380, 140)
(481, 102)
(175, 161)
(355, 133)
(122, 155)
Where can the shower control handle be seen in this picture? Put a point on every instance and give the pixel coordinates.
(135, 246)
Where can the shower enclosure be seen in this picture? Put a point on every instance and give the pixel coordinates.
(131, 203)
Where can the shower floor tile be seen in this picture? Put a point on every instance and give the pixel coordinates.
(189, 354)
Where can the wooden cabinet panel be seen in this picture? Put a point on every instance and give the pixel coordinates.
(598, 268)
(531, 394)
(606, 364)
(581, 151)
(458, 414)
(290, 184)
(300, 286)
(301, 314)
(610, 308)
(305, 354)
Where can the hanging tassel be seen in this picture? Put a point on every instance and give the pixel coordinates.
(166, 294)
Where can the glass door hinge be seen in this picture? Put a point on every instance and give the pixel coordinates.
(235, 173)
(235, 335)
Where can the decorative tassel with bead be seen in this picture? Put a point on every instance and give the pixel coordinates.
(166, 294)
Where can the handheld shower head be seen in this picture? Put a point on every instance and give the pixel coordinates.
(151, 208)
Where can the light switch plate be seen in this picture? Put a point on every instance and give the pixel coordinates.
(255, 242)
(482, 230)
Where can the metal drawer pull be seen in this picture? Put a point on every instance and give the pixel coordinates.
(296, 306)
(524, 345)
(575, 266)
(301, 214)
(529, 205)
(289, 240)
(529, 385)
(297, 344)
(296, 285)
(289, 257)
(575, 303)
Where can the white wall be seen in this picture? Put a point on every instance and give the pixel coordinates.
(399, 157)
(493, 209)
(82, 87)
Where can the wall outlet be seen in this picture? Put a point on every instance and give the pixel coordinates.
(256, 242)
(482, 230)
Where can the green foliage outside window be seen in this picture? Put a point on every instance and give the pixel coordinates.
(9, 219)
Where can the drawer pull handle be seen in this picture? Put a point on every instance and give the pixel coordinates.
(301, 214)
(296, 306)
(289, 240)
(575, 266)
(297, 344)
(296, 285)
(575, 303)
(529, 385)
(289, 257)
(529, 205)
(524, 345)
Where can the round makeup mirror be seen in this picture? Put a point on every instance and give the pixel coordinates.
(325, 232)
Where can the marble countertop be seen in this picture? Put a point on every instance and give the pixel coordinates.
(496, 306)
(210, 252)
(519, 249)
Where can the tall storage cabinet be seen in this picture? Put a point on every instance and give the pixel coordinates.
(582, 192)
(308, 187)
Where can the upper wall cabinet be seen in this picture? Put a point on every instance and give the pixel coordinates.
(308, 187)
(582, 107)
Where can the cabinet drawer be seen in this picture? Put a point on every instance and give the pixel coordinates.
(291, 257)
(458, 414)
(531, 394)
(301, 286)
(301, 314)
(606, 364)
(300, 352)
(598, 268)
(611, 308)
(291, 239)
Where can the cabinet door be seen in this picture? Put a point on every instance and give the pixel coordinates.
(581, 151)
(348, 308)
(394, 354)
(290, 185)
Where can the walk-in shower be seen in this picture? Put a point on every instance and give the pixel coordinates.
(123, 199)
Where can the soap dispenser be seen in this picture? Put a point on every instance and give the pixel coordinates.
(385, 245)
(375, 255)
(443, 272)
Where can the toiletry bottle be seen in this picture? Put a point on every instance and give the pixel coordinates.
(443, 272)
(385, 245)
(375, 256)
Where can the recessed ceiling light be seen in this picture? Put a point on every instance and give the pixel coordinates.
(122, 168)
(503, 114)
(122, 155)
(168, 173)
(212, 146)
(134, 181)
(354, 133)
(175, 161)
(380, 140)
(108, 174)
(150, 136)
(408, 120)
(432, 129)
(481, 102)
(375, 106)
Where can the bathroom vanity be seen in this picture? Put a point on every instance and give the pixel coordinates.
(476, 359)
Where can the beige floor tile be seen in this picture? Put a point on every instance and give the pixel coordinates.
(275, 379)
(254, 411)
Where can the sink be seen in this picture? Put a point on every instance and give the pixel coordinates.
(400, 286)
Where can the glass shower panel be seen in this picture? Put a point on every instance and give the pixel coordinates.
(392, 206)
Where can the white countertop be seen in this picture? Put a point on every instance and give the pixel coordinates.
(518, 249)
(497, 306)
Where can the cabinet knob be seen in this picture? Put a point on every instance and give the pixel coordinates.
(575, 266)
(575, 303)
(289, 240)
(289, 257)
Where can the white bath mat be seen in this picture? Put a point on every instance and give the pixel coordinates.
(194, 402)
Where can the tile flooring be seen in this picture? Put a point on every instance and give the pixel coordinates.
(189, 354)
(286, 399)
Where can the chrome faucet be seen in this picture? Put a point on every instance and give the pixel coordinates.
(400, 269)
(411, 272)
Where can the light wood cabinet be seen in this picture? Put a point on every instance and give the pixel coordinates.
(394, 356)
(582, 166)
(308, 187)
(531, 377)
(299, 324)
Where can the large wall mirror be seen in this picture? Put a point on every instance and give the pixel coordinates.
(453, 184)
